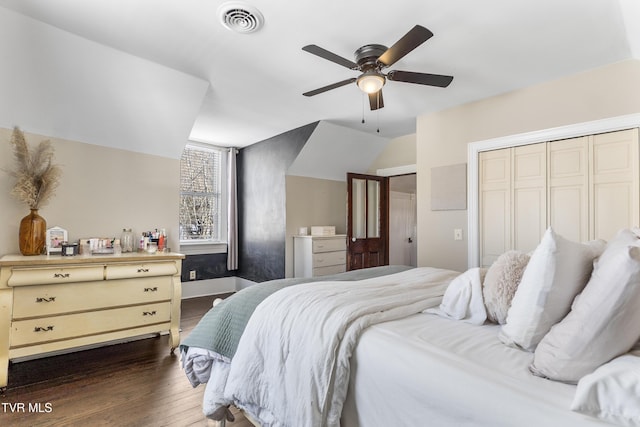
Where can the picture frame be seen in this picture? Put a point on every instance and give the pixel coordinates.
(55, 237)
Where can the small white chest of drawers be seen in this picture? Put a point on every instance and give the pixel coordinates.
(319, 255)
(50, 303)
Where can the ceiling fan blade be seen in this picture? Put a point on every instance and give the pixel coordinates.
(375, 100)
(330, 56)
(420, 78)
(329, 87)
(414, 38)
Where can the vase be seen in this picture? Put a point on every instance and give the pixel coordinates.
(33, 233)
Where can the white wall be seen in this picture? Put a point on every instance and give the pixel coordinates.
(442, 139)
(58, 84)
(333, 150)
(400, 151)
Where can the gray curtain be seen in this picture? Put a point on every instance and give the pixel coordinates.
(232, 211)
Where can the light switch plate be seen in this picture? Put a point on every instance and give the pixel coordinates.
(457, 234)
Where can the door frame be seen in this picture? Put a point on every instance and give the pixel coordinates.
(383, 217)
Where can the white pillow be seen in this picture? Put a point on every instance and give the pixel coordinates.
(501, 282)
(623, 238)
(612, 392)
(604, 322)
(557, 271)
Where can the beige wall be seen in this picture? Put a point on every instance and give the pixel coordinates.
(442, 139)
(400, 151)
(313, 201)
(102, 191)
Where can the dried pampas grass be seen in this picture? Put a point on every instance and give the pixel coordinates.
(36, 176)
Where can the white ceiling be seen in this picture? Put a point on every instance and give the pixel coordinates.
(256, 80)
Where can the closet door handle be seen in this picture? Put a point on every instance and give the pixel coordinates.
(42, 299)
(43, 329)
(143, 270)
(154, 289)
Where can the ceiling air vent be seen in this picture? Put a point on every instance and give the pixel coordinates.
(240, 17)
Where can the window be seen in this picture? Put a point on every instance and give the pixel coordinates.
(202, 208)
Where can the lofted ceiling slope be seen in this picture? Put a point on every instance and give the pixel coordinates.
(176, 59)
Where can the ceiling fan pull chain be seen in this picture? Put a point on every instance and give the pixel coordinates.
(378, 110)
(363, 95)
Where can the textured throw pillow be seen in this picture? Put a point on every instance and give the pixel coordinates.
(557, 271)
(501, 282)
(604, 322)
(611, 392)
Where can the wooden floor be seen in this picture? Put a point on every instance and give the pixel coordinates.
(132, 384)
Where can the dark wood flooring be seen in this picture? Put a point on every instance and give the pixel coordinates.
(132, 384)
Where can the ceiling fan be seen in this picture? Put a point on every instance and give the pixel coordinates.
(371, 59)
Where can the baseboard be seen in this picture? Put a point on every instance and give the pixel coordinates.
(223, 285)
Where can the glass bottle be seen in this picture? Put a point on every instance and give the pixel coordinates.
(126, 240)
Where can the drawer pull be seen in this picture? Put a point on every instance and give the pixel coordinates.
(149, 313)
(61, 275)
(39, 299)
(143, 270)
(43, 329)
(154, 289)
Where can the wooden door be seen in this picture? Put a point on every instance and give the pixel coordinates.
(367, 221)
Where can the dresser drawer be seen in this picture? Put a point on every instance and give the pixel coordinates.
(55, 328)
(332, 269)
(45, 300)
(328, 245)
(46, 275)
(126, 271)
(324, 259)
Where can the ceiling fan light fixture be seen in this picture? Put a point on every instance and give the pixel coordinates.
(370, 82)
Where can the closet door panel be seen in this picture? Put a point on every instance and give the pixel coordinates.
(529, 196)
(613, 209)
(495, 204)
(614, 193)
(568, 192)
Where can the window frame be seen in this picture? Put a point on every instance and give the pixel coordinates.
(208, 246)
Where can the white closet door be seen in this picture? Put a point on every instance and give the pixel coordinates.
(529, 196)
(402, 225)
(568, 197)
(614, 192)
(495, 204)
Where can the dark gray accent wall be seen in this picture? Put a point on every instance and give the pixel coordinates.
(206, 266)
(261, 169)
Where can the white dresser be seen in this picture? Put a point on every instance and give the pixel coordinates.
(51, 303)
(319, 255)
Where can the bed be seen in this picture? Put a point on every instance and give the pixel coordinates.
(418, 346)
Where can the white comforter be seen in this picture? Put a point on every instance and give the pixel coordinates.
(292, 364)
